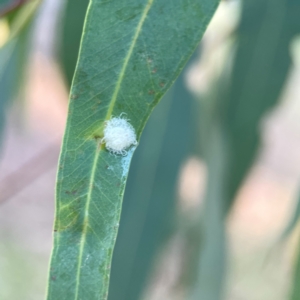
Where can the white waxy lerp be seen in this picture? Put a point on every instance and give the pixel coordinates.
(118, 135)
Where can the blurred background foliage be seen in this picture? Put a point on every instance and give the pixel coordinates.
(15, 41)
(202, 215)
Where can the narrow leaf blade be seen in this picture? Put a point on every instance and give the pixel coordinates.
(125, 66)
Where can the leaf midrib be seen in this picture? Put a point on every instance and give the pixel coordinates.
(98, 149)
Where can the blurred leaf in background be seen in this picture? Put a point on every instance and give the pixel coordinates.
(17, 27)
(72, 25)
(4, 3)
(260, 71)
(239, 100)
(295, 287)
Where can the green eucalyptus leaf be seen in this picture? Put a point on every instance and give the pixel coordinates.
(154, 172)
(125, 65)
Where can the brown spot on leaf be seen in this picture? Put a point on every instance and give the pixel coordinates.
(71, 192)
